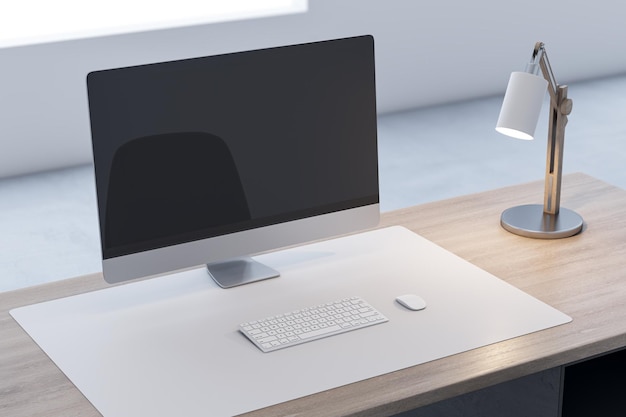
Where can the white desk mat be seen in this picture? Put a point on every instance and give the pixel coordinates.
(170, 346)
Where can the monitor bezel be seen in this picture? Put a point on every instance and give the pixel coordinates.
(249, 242)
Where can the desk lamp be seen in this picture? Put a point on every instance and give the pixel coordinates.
(518, 118)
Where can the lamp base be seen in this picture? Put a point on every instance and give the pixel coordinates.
(531, 221)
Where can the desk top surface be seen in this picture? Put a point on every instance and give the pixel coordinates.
(583, 276)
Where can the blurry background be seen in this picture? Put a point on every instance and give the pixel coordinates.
(442, 68)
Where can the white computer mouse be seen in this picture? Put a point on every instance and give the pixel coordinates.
(412, 302)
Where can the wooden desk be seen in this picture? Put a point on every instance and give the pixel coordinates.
(583, 276)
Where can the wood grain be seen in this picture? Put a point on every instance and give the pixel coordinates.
(584, 276)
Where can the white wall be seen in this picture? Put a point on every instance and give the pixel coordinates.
(428, 52)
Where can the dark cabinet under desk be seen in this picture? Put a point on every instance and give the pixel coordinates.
(595, 387)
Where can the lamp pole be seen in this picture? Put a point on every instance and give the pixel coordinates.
(560, 108)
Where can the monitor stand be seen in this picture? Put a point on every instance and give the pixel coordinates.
(239, 271)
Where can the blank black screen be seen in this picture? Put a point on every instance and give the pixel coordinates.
(196, 148)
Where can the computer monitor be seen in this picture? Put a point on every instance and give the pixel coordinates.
(212, 160)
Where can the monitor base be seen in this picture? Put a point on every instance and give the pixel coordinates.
(239, 271)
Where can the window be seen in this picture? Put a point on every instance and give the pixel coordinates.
(35, 21)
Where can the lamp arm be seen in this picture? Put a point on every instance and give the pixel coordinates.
(540, 60)
(560, 108)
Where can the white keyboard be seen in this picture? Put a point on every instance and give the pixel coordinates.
(323, 320)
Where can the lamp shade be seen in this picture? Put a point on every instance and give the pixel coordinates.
(521, 106)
